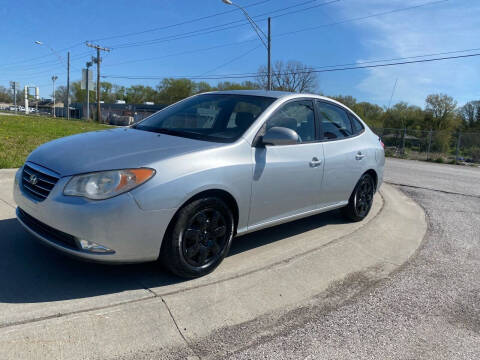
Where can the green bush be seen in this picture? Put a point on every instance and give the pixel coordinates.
(475, 152)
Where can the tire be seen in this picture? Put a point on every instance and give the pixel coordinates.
(199, 239)
(361, 200)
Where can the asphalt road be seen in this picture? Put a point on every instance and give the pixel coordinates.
(428, 309)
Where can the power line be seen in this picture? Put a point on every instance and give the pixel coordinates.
(41, 57)
(283, 34)
(221, 27)
(15, 64)
(180, 23)
(178, 37)
(231, 61)
(182, 52)
(251, 75)
(362, 17)
(397, 58)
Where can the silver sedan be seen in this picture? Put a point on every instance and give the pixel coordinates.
(182, 183)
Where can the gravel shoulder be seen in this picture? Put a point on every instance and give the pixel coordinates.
(428, 309)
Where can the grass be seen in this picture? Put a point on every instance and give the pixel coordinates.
(20, 135)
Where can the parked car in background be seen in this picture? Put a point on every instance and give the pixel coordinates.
(182, 183)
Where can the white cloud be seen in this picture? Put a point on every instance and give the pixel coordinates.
(441, 27)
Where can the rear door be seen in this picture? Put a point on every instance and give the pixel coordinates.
(287, 178)
(343, 150)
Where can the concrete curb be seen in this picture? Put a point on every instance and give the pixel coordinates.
(279, 275)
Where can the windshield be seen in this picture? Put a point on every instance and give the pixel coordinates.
(212, 117)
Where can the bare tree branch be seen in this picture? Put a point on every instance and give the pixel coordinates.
(292, 76)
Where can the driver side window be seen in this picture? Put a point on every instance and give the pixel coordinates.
(298, 116)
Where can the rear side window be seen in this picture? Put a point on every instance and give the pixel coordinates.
(335, 123)
(357, 126)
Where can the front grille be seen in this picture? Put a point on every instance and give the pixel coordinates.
(46, 231)
(38, 184)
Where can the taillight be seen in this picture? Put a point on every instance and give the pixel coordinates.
(381, 143)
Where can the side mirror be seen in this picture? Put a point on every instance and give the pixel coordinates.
(280, 136)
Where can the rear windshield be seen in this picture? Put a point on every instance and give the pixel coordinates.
(211, 117)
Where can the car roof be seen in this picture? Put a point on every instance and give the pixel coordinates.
(272, 94)
(266, 93)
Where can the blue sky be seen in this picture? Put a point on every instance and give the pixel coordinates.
(439, 26)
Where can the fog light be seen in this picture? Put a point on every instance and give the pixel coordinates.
(93, 247)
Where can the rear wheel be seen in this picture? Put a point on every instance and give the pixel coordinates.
(199, 239)
(361, 200)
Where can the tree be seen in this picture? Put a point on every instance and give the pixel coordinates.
(202, 87)
(138, 94)
(403, 116)
(246, 85)
(5, 95)
(442, 110)
(119, 92)
(346, 100)
(171, 90)
(78, 95)
(61, 94)
(440, 115)
(372, 114)
(292, 76)
(470, 115)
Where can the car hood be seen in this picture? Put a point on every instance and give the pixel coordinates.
(119, 148)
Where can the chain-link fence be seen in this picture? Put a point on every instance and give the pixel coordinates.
(439, 146)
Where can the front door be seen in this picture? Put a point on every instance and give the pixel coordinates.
(287, 178)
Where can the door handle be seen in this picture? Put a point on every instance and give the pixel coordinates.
(359, 156)
(315, 162)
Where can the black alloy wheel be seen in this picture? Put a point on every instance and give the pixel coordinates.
(199, 238)
(205, 238)
(361, 200)
(364, 196)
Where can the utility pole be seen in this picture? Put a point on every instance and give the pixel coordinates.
(54, 77)
(26, 99)
(98, 60)
(269, 50)
(15, 96)
(265, 39)
(89, 63)
(68, 85)
(37, 97)
(14, 86)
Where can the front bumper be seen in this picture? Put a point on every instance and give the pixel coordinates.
(135, 235)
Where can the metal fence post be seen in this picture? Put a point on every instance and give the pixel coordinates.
(429, 144)
(458, 147)
(403, 140)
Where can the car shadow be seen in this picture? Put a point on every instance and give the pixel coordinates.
(31, 272)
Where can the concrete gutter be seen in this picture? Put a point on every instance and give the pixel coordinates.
(269, 272)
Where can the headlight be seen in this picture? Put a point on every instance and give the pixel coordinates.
(106, 184)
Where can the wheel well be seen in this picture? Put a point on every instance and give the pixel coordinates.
(373, 174)
(222, 194)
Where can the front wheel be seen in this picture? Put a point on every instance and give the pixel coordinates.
(361, 200)
(199, 239)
